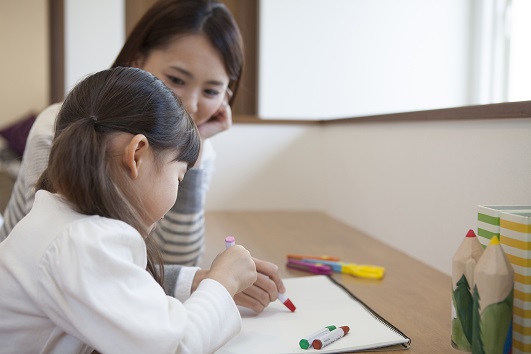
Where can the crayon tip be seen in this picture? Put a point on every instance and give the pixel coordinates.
(229, 239)
(494, 241)
(304, 344)
(290, 305)
(317, 344)
(471, 233)
(286, 301)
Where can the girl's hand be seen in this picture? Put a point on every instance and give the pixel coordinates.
(234, 269)
(264, 290)
(220, 121)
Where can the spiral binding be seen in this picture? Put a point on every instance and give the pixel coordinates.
(374, 313)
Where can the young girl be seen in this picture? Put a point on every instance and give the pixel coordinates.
(195, 47)
(73, 269)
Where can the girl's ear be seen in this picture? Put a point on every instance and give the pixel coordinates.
(136, 151)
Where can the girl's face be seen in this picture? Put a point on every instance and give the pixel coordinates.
(160, 186)
(194, 70)
(155, 182)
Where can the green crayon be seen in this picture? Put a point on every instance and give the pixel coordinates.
(306, 343)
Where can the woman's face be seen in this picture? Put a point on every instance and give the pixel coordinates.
(194, 70)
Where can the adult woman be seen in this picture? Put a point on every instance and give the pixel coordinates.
(195, 48)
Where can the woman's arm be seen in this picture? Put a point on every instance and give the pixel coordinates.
(34, 162)
(181, 234)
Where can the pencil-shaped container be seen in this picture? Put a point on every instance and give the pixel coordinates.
(489, 219)
(515, 237)
(463, 265)
(493, 301)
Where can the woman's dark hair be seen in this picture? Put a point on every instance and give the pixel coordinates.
(82, 167)
(166, 20)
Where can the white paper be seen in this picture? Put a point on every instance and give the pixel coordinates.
(319, 303)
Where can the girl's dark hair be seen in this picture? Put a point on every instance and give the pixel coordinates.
(83, 169)
(168, 19)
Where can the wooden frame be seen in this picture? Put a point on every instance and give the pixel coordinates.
(57, 51)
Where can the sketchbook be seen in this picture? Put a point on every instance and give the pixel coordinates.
(320, 302)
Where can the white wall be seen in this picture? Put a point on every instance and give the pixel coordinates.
(323, 59)
(94, 34)
(416, 186)
(413, 185)
(264, 167)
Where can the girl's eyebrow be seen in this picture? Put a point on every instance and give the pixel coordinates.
(190, 75)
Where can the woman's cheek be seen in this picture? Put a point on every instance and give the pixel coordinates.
(199, 121)
(206, 113)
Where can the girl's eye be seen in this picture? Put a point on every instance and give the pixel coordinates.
(175, 80)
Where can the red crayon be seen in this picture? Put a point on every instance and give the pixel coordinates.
(331, 337)
(287, 302)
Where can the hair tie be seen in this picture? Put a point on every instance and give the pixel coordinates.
(97, 127)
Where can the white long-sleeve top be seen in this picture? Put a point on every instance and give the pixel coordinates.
(71, 283)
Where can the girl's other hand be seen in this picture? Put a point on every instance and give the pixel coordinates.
(264, 290)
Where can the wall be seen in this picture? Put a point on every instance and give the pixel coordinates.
(264, 167)
(351, 58)
(414, 185)
(24, 61)
(94, 34)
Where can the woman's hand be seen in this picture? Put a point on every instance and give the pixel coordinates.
(220, 121)
(264, 290)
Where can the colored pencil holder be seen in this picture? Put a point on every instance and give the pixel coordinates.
(513, 225)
